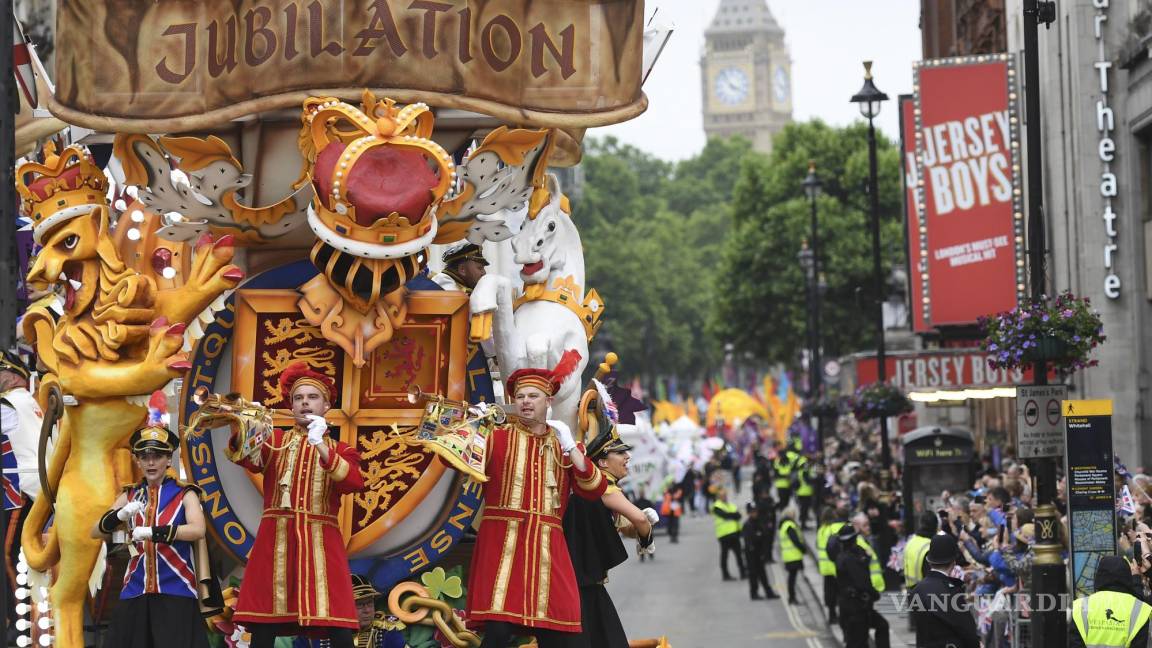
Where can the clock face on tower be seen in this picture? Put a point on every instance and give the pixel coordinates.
(732, 86)
(780, 84)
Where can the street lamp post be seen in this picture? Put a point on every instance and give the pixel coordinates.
(812, 189)
(806, 257)
(869, 100)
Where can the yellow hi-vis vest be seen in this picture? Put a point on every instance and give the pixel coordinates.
(874, 572)
(725, 526)
(789, 552)
(914, 551)
(804, 480)
(823, 535)
(1109, 618)
(783, 464)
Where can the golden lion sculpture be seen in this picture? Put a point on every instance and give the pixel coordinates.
(119, 339)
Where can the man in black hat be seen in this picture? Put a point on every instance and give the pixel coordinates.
(856, 594)
(592, 529)
(377, 630)
(938, 607)
(753, 534)
(464, 264)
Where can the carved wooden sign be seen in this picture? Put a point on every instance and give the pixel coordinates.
(178, 65)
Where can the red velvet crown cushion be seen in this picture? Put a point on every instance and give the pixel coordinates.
(383, 180)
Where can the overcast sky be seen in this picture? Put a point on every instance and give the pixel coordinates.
(828, 40)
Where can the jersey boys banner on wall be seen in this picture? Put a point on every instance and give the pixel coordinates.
(917, 279)
(969, 197)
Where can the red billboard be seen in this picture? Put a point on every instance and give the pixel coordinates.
(917, 280)
(969, 197)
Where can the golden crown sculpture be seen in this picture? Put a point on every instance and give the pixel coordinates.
(63, 187)
(379, 123)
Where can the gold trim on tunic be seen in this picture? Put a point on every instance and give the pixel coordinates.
(280, 568)
(545, 572)
(504, 571)
(516, 498)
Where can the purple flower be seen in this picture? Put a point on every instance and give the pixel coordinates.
(993, 347)
(1066, 313)
(1045, 318)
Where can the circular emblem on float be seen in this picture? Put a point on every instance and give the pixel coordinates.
(413, 509)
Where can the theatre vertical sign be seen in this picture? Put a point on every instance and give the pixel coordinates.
(968, 188)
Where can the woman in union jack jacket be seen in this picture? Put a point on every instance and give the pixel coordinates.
(160, 598)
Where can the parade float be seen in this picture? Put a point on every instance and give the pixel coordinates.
(282, 172)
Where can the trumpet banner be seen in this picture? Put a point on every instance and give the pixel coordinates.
(185, 65)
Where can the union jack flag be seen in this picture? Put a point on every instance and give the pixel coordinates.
(157, 567)
(10, 477)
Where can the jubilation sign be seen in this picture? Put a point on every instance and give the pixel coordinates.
(190, 64)
(969, 197)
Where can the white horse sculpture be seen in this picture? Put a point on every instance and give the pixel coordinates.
(552, 314)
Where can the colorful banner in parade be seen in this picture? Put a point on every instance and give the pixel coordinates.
(172, 66)
(968, 188)
(917, 280)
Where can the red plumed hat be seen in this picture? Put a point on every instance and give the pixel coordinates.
(546, 380)
(299, 373)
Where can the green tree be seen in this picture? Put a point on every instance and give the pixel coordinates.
(652, 233)
(760, 288)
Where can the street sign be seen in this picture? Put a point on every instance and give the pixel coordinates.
(1090, 488)
(1040, 429)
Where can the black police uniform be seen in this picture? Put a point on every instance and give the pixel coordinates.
(753, 536)
(855, 597)
(940, 617)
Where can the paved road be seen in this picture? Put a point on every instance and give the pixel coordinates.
(680, 595)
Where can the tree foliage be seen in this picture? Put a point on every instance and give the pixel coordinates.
(652, 233)
(759, 293)
(693, 255)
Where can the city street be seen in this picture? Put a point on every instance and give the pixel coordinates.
(680, 595)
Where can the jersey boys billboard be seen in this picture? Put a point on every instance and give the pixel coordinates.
(968, 188)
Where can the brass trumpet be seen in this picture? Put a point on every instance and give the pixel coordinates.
(251, 421)
(456, 431)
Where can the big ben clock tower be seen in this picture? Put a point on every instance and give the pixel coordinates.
(746, 74)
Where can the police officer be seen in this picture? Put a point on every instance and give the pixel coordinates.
(805, 490)
(1114, 615)
(726, 518)
(753, 536)
(939, 610)
(792, 550)
(917, 547)
(857, 592)
(829, 527)
(783, 465)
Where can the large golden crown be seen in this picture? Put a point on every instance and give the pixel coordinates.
(386, 208)
(63, 187)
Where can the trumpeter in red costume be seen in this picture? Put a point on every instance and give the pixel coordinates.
(521, 580)
(297, 579)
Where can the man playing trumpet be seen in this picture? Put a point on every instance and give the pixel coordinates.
(297, 579)
(521, 580)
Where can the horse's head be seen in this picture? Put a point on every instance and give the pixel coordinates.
(543, 243)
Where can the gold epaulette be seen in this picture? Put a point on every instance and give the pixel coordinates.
(566, 292)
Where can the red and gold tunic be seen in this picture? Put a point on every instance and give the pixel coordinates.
(521, 572)
(297, 572)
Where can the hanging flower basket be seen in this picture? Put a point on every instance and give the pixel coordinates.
(879, 400)
(1061, 331)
